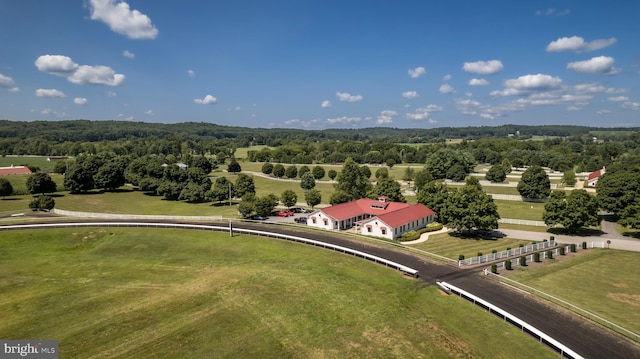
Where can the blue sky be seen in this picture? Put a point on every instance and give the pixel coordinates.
(322, 64)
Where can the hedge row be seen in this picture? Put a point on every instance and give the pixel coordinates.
(413, 235)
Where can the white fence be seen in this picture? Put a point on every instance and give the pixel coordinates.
(134, 217)
(523, 222)
(530, 258)
(506, 254)
(524, 326)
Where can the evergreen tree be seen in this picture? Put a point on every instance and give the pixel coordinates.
(6, 189)
(307, 181)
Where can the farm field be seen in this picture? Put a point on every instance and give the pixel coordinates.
(520, 210)
(169, 293)
(451, 247)
(604, 282)
(38, 161)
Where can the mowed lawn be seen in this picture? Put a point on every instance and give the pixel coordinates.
(604, 282)
(449, 246)
(150, 293)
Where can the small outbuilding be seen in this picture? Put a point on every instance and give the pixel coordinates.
(15, 170)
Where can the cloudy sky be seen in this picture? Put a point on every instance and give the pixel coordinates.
(322, 63)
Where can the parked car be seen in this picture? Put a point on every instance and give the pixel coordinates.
(285, 213)
(301, 220)
(298, 210)
(255, 217)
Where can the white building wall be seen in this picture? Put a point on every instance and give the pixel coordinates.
(374, 228)
(321, 221)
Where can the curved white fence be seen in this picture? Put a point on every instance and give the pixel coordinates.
(402, 268)
(544, 338)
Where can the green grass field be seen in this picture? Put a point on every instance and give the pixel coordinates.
(451, 247)
(134, 293)
(520, 210)
(604, 282)
(38, 161)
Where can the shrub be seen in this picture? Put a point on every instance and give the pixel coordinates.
(479, 254)
(584, 245)
(561, 251)
(42, 203)
(553, 238)
(410, 236)
(494, 268)
(536, 257)
(460, 257)
(523, 261)
(507, 264)
(549, 254)
(433, 226)
(573, 247)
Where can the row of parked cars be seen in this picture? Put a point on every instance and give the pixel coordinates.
(284, 213)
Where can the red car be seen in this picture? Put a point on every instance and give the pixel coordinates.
(285, 213)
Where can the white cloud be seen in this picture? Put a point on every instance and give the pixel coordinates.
(553, 12)
(129, 55)
(208, 99)
(190, 73)
(14, 89)
(446, 88)
(631, 105)
(601, 65)
(422, 113)
(325, 104)
(5, 81)
(111, 94)
(149, 112)
(410, 94)
(80, 100)
(618, 99)
(343, 120)
(51, 113)
(63, 66)
(468, 106)
(446, 77)
(483, 67)
(488, 116)
(538, 82)
(49, 93)
(386, 117)
(417, 72)
(96, 75)
(56, 65)
(122, 20)
(125, 117)
(343, 96)
(577, 44)
(478, 82)
(603, 112)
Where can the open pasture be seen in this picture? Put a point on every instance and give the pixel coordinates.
(125, 293)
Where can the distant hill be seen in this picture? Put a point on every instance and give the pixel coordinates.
(96, 131)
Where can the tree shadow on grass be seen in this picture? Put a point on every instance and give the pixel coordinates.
(631, 234)
(222, 204)
(478, 235)
(11, 199)
(582, 232)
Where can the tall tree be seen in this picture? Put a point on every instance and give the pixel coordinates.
(222, 190)
(332, 174)
(318, 172)
(496, 174)
(470, 209)
(569, 178)
(352, 181)
(307, 181)
(535, 183)
(390, 188)
(578, 209)
(78, 178)
(289, 198)
(291, 172)
(267, 168)
(278, 170)
(40, 183)
(234, 167)
(435, 195)
(313, 198)
(6, 189)
(422, 177)
(244, 184)
(382, 172)
(110, 176)
(265, 205)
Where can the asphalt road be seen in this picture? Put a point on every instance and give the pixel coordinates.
(586, 338)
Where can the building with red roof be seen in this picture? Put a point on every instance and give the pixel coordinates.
(592, 180)
(15, 170)
(379, 218)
